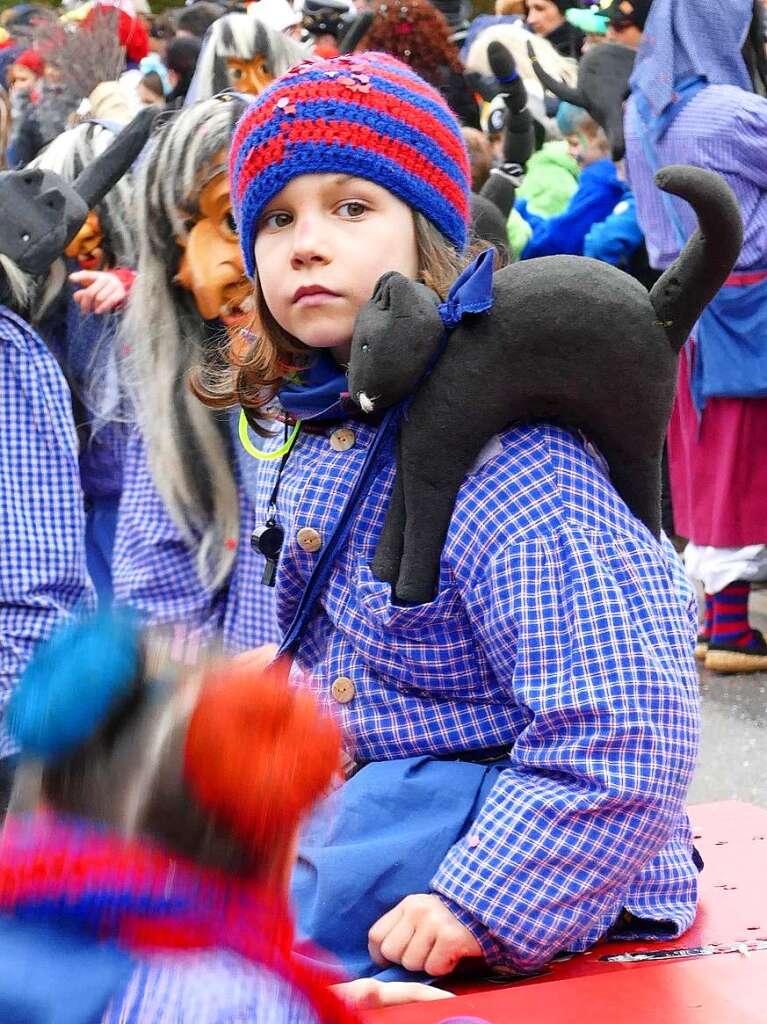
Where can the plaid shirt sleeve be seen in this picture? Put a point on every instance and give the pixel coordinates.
(153, 570)
(43, 574)
(599, 775)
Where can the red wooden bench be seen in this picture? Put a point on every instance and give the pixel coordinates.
(694, 987)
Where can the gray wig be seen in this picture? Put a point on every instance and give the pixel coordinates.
(188, 445)
(243, 37)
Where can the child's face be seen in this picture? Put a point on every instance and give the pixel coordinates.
(23, 79)
(586, 149)
(322, 245)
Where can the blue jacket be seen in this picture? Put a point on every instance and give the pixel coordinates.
(615, 239)
(599, 191)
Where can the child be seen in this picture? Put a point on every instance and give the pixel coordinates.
(523, 743)
(599, 191)
(150, 881)
(183, 551)
(25, 73)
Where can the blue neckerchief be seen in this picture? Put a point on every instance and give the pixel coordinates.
(472, 292)
(319, 393)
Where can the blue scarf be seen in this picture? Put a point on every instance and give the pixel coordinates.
(319, 393)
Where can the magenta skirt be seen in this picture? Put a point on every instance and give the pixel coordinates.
(718, 468)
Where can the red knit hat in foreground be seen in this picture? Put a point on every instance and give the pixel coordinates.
(259, 753)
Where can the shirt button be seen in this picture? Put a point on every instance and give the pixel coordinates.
(309, 540)
(342, 440)
(342, 689)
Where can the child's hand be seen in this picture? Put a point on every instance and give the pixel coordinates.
(258, 658)
(102, 292)
(421, 934)
(369, 994)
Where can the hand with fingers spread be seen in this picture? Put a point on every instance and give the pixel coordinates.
(100, 291)
(369, 994)
(423, 935)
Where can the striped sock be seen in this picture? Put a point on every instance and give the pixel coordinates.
(708, 619)
(730, 617)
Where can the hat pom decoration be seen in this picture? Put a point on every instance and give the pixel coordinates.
(259, 753)
(72, 685)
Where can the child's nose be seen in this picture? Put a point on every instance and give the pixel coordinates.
(310, 241)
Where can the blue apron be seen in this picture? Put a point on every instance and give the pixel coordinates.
(380, 837)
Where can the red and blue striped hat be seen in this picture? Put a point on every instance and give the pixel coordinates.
(367, 115)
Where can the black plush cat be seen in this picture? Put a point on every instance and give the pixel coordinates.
(561, 338)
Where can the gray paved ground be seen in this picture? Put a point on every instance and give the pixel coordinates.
(733, 756)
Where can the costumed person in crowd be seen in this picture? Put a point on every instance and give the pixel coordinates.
(25, 74)
(183, 551)
(549, 685)
(592, 21)
(196, 19)
(43, 570)
(131, 31)
(76, 61)
(181, 58)
(79, 322)
(599, 189)
(149, 882)
(417, 34)
(547, 18)
(698, 95)
(518, 41)
(326, 23)
(626, 21)
(241, 52)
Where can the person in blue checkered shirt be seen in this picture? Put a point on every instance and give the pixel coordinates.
(182, 550)
(521, 746)
(43, 572)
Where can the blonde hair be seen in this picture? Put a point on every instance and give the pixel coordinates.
(270, 354)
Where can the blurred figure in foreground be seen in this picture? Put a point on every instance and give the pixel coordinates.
(149, 881)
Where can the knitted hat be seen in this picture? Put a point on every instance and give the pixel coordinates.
(367, 115)
(32, 60)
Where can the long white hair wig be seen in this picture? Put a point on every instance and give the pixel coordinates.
(188, 445)
(241, 37)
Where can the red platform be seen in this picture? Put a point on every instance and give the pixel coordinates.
(723, 988)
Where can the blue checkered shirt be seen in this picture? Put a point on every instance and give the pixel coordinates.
(563, 630)
(153, 568)
(43, 574)
(207, 988)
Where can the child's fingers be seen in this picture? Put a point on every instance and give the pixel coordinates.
(393, 993)
(108, 296)
(84, 299)
(418, 950)
(445, 954)
(369, 993)
(85, 277)
(397, 940)
(380, 930)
